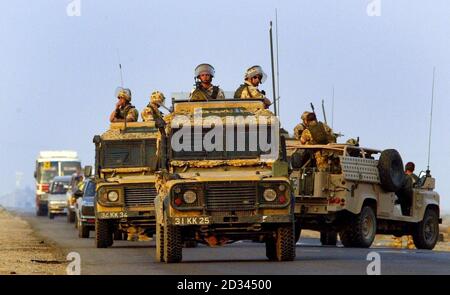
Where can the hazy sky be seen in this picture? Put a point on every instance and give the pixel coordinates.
(58, 72)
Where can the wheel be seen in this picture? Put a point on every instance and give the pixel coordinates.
(159, 253)
(298, 232)
(40, 211)
(83, 231)
(70, 216)
(426, 232)
(103, 233)
(51, 215)
(118, 235)
(360, 230)
(328, 238)
(390, 168)
(173, 244)
(282, 246)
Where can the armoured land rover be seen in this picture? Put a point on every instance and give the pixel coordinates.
(217, 196)
(125, 161)
(363, 192)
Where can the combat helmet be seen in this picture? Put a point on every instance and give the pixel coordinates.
(253, 71)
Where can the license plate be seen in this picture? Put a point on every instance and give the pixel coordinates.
(191, 220)
(105, 215)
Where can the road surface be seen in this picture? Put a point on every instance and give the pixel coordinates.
(127, 257)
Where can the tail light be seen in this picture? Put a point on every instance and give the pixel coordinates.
(45, 187)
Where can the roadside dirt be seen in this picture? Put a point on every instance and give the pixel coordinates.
(24, 253)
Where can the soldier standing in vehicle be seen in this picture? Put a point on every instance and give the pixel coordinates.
(298, 130)
(317, 133)
(151, 112)
(409, 171)
(204, 89)
(253, 77)
(124, 109)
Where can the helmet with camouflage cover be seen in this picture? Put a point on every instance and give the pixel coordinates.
(124, 93)
(204, 68)
(352, 141)
(157, 97)
(305, 115)
(253, 71)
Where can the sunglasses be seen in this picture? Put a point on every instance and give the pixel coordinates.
(257, 77)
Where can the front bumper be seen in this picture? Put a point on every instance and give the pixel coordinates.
(202, 220)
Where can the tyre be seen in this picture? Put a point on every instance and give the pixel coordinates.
(426, 232)
(83, 231)
(361, 229)
(328, 238)
(118, 236)
(390, 168)
(103, 233)
(159, 253)
(173, 244)
(282, 246)
(70, 216)
(298, 232)
(51, 215)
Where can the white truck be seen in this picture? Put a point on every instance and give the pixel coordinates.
(48, 165)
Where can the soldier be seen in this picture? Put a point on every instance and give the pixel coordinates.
(409, 171)
(151, 112)
(298, 130)
(253, 77)
(204, 90)
(124, 109)
(317, 133)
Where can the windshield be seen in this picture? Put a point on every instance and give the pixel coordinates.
(89, 190)
(59, 187)
(237, 143)
(129, 153)
(46, 171)
(69, 168)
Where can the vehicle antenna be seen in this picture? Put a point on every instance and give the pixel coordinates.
(332, 109)
(273, 70)
(120, 68)
(278, 72)
(431, 123)
(323, 111)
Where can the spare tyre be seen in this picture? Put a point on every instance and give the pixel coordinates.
(390, 168)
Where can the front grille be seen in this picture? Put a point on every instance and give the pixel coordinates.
(87, 211)
(140, 196)
(232, 196)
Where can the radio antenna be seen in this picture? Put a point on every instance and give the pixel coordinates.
(332, 109)
(431, 122)
(273, 71)
(120, 68)
(278, 72)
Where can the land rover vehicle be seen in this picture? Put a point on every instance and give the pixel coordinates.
(84, 209)
(125, 163)
(48, 165)
(363, 192)
(57, 202)
(233, 191)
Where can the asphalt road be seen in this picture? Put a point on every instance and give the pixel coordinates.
(127, 257)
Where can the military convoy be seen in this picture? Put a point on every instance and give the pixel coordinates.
(363, 192)
(126, 159)
(202, 178)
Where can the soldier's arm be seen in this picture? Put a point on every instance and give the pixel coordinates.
(221, 94)
(132, 115)
(112, 117)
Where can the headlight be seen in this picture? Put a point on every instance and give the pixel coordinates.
(113, 196)
(270, 195)
(189, 197)
(282, 187)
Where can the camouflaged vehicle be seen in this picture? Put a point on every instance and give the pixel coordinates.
(363, 192)
(125, 161)
(218, 197)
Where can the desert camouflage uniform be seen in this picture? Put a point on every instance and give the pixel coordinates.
(129, 111)
(320, 156)
(196, 94)
(151, 113)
